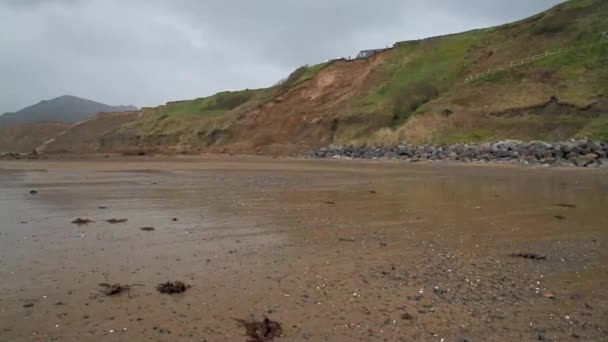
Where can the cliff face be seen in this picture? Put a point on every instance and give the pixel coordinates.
(308, 116)
(85, 137)
(533, 79)
(26, 137)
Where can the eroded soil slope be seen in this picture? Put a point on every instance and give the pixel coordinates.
(306, 117)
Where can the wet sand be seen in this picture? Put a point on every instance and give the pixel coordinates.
(333, 250)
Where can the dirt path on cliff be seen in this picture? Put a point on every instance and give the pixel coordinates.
(331, 250)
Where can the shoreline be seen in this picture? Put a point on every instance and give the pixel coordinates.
(578, 154)
(117, 162)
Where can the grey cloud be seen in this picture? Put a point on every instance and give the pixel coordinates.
(147, 52)
(28, 4)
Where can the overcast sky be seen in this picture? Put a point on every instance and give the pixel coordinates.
(148, 52)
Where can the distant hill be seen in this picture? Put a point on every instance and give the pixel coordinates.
(65, 109)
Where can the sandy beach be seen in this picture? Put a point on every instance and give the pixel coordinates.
(331, 250)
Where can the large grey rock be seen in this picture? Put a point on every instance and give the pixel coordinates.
(569, 146)
(390, 155)
(572, 155)
(583, 161)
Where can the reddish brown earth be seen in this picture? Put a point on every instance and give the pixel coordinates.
(331, 250)
(304, 118)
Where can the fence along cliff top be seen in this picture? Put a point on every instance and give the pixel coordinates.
(513, 64)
